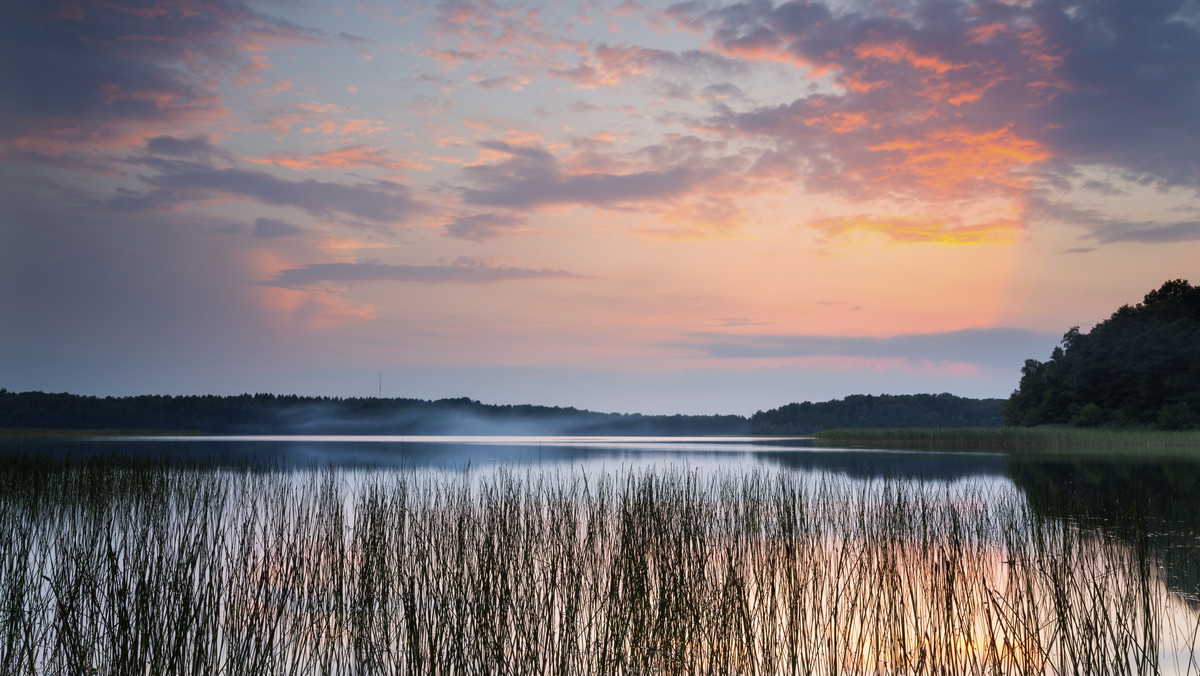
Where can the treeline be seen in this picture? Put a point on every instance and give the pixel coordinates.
(867, 411)
(291, 414)
(1139, 367)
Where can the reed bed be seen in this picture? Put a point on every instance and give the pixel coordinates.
(1019, 439)
(136, 570)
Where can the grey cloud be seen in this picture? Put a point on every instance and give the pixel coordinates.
(481, 227)
(986, 347)
(583, 107)
(691, 61)
(1105, 230)
(1133, 94)
(91, 71)
(1149, 232)
(196, 147)
(1106, 189)
(183, 182)
(623, 60)
(499, 82)
(721, 91)
(273, 228)
(461, 271)
(532, 177)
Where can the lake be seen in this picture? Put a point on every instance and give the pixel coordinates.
(591, 555)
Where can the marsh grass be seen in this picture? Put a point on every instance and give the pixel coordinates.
(1022, 439)
(117, 569)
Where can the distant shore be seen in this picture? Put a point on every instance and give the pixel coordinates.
(1018, 439)
(38, 433)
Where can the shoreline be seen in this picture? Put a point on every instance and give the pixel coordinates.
(1019, 439)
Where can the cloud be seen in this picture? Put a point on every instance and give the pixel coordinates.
(941, 228)
(196, 147)
(531, 177)
(1000, 347)
(482, 227)
(349, 157)
(1131, 94)
(1106, 83)
(1108, 230)
(461, 271)
(610, 66)
(480, 31)
(183, 182)
(273, 228)
(103, 74)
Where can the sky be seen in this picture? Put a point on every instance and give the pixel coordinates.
(620, 205)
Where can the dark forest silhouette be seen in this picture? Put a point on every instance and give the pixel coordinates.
(1139, 367)
(291, 414)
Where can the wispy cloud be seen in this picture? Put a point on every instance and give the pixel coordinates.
(1001, 348)
(1105, 229)
(349, 157)
(482, 227)
(176, 182)
(531, 177)
(461, 271)
(273, 228)
(179, 183)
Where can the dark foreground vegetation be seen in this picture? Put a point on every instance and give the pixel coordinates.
(118, 569)
(273, 414)
(1139, 367)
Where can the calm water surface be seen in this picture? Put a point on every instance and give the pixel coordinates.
(465, 453)
(1117, 516)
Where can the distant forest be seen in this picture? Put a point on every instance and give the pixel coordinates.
(291, 414)
(867, 411)
(1138, 368)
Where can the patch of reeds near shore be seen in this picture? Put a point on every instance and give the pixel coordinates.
(110, 569)
(1064, 439)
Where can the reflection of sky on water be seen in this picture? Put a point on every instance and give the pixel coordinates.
(561, 454)
(592, 454)
(979, 488)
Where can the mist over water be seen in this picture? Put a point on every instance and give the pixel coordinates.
(460, 453)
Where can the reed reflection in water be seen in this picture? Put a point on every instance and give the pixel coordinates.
(119, 569)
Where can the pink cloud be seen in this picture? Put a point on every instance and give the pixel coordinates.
(251, 71)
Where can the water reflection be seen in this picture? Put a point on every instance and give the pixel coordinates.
(667, 570)
(687, 555)
(463, 453)
(1147, 503)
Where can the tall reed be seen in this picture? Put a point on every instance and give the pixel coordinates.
(110, 569)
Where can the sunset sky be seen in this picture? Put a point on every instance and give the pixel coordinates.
(698, 207)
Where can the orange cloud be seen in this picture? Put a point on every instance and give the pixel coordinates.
(955, 162)
(924, 229)
(897, 52)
